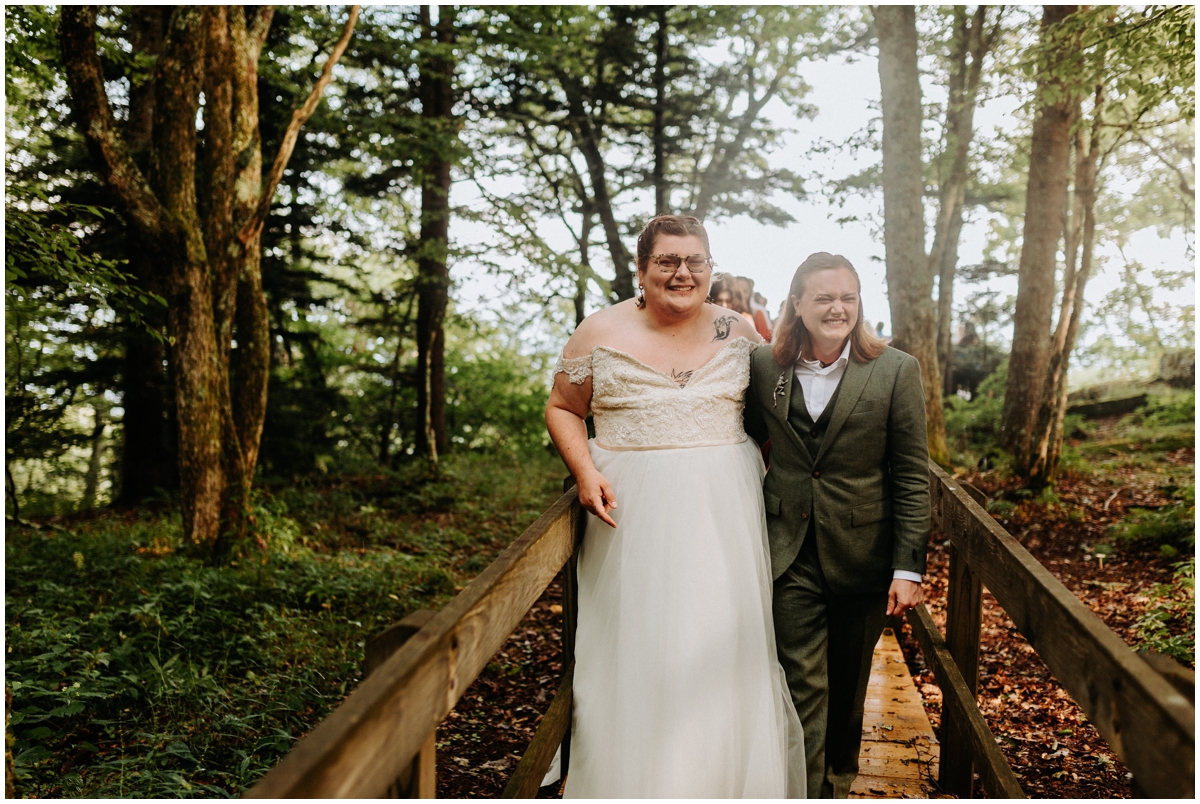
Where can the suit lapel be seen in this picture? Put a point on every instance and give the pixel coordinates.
(852, 385)
(781, 401)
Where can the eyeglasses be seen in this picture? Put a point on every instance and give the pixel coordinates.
(669, 263)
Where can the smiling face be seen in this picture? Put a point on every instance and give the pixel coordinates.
(829, 308)
(679, 292)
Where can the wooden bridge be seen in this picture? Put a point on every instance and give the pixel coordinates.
(380, 742)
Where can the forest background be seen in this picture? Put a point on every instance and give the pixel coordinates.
(284, 287)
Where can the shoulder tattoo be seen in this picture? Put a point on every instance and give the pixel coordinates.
(723, 325)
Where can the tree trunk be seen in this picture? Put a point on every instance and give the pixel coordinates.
(584, 271)
(437, 110)
(587, 141)
(147, 435)
(1047, 438)
(1044, 202)
(661, 191)
(202, 240)
(91, 480)
(909, 272)
(946, 270)
(970, 40)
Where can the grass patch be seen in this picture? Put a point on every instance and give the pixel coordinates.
(137, 671)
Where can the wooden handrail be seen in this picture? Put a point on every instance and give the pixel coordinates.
(373, 737)
(959, 706)
(1148, 723)
(382, 736)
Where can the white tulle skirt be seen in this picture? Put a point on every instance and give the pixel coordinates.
(678, 691)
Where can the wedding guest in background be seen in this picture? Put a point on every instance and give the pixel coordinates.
(721, 294)
(758, 310)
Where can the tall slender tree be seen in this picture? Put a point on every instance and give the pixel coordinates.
(972, 38)
(1045, 202)
(910, 271)
(438, 153)
(1047, 436)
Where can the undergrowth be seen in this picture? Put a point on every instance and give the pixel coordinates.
(138, 671)
(1168, 626)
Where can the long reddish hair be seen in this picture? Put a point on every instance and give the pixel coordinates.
(791, 336)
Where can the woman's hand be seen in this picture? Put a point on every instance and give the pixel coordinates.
(596, 495)
(902, 596)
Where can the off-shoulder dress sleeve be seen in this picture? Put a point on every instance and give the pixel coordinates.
(577, 369)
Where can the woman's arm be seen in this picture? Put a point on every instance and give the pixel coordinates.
(565, 414)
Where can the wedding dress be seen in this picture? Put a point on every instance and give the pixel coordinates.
(678, 692)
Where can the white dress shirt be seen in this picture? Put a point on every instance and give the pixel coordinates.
(819, 382)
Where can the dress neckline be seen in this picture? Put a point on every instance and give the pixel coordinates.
(663, 374)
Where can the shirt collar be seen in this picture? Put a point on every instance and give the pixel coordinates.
(815, 365)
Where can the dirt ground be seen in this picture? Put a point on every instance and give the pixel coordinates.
(1046, 738)
(481, 742)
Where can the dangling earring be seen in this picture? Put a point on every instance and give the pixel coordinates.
(640, 302)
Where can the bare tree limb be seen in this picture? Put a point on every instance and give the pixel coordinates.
(254, 225)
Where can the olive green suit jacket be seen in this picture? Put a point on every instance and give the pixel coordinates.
(865, 495)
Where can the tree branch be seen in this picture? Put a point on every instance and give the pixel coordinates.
(299, 118)
(94, 117)
(260, 23)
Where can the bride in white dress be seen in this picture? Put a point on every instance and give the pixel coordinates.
(678, 691)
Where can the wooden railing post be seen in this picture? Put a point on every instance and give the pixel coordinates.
(418, 779)
(964, 615)
(554, 732)
(571, 610)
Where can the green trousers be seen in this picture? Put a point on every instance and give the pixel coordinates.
(825, 642)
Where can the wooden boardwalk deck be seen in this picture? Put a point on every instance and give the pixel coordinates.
(899, 756)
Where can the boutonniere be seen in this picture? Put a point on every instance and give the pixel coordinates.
(780, 387)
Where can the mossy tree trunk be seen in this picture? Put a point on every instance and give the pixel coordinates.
(197, 209)
(148, 460)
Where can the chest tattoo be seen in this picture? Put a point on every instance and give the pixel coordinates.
(681, 377)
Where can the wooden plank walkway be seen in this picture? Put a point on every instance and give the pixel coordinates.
(899, 756)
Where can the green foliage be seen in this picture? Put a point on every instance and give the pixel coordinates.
(497, 400)
(1172, 603)
(1172, 527)
(139, 672)
(59, 350)
(1164, 409)
(973, 427)
(975, 363)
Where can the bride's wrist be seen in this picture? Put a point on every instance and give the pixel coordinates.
(589, 477)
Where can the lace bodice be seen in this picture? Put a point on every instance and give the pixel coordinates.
(637, 407)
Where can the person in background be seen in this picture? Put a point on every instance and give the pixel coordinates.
(758, 309)
(730, 292)
(761, 301)
(721, 294)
